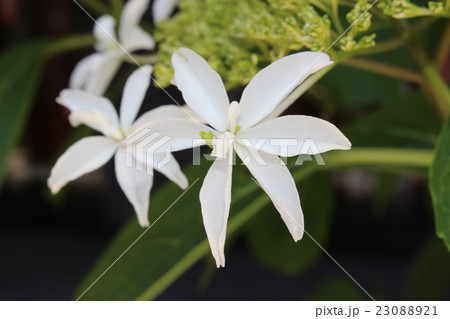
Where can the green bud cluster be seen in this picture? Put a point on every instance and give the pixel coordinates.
(403, 9)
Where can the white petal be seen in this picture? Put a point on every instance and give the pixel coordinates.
(295, 134)
(136, 185)
(164, 112)
(132, 14)
(106, 68)
(76, 100)
(202, 87)
(83, 70)
(162, 9)
(215, 198)
(276, 180)
(104, 33)
(274, 83)
(166, 164)
(175, 133)
(83, 157)
(133, 95)
(97, 121)
(138, 39)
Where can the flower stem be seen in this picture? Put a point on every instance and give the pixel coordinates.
(444, 47)
(384, 68)
(142, 59)
(433, 83)
(94, 5)
(70, 43)
(335, 16)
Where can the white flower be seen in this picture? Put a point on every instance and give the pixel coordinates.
(92, 152)
(239, 127)
(94, 73)
(162, 9)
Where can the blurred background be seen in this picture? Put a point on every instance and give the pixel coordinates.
(378, 225)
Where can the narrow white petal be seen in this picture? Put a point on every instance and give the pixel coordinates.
(162, 9)
(166, 164)
(76, 100)
(215, 198)
(83, 157)
(132, 14)
(136, 185)
(138, 39)
(104, 33)
(134, 94)
(202, 87)
(97, 121)
(295, 134)
(175, 134)
(274, 83)
(83, 70)
(276, 180)
(164, 112)
(106, 68)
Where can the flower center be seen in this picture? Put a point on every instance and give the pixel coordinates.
(223, 145)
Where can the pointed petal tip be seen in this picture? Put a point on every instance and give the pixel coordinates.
(144, 223)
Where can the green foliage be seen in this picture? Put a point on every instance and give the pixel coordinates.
(20, 70)
(273, 245)
(403, 9)
(430, 272)
(238, 38)
(337, 289)
(439, 182)
(406, 121)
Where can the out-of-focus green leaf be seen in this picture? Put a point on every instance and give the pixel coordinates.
(178, 240)
(354, 88)
(404, 122)
(21, 68)
(439, 183)
(429, 278)
(337, 289)
(20, 71)
(273, 245)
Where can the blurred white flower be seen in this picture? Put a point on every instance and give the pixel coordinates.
(94, 73)
(162, 9)
(239, 127)
(92, 152)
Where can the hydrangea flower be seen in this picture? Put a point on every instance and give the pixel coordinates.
(92, 152)
(246, 128)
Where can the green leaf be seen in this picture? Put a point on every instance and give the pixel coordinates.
(273, 245)
(178, 239)
(429, 274)
(20, 71)
(21, 67)
(439, 183)
(403, 122)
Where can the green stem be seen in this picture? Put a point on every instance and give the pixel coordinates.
(444, 47)
(335, 16)
(116, 6)
(433, 83)
(376, 157)
(385, 69)
(70, 43)
(94, 5)
(142, 59)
